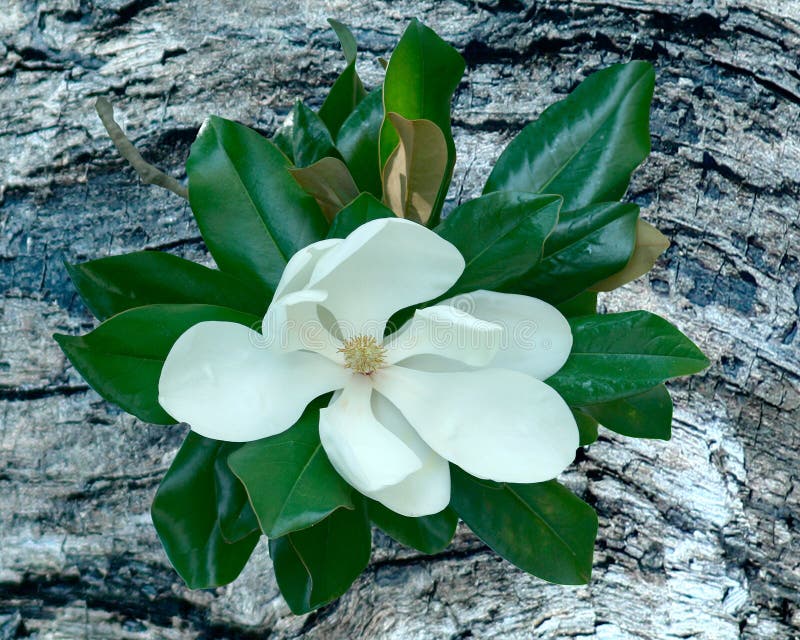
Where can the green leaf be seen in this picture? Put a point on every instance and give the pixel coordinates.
(428, 534)
(586, 246)
(415, 169)
(251, 212)
(646, 415)
(347, 91)
(500, 235)
(542, 528)
(289, 479)
(317, 565)
(423, 73)
(361, 210)
(622, 354)
(586, 146)
(123, 357)
(587, 427)
(584, 304)
(650, 244)
(112, 285)
(358, 142)
(331, 184)
(236, 517)
(311, 140)
(283, 139)
(184, 513)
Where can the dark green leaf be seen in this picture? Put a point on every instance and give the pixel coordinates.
(236, 517)
(184, 513)
(647, 415)
(289, 479)
(587, 427)
(422, 76)
(622, 354)
(428, 534)
(358, 142)
(541, 528)
(500, 235)
(317, 565)
(346, 39)
(251, 212)
(586, 246)
(112, 285)
(331, 184)
(347, 91)
(283, 139)
(361, 210)
(311, 140)
(586, 146)
(123, 357)
(584, 304)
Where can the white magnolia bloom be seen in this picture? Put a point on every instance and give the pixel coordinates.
(460, 382)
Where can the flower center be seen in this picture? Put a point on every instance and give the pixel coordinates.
(363, 354)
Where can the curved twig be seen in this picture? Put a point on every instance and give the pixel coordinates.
(147, 172)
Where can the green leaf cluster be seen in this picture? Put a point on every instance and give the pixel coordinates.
(549, 224)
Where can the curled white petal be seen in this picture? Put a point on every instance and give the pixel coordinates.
(381, 267)
(447, 332)
(424, 492)
(218, 378)
(365, 453)
(537, 338)
(496, 424)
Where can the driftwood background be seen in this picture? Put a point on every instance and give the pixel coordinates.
(699, 537)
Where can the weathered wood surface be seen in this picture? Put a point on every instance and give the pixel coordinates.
(699, 537)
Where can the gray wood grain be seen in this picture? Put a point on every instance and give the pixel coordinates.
(699, 537)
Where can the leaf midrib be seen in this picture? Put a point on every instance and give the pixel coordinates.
(586, 142)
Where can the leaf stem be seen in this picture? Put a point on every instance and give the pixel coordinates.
(147, 172)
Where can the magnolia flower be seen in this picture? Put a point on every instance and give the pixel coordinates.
(462, 381)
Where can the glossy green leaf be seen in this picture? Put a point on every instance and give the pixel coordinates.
(646, 415)
(185, 515)
(584, 304)
(317, 565)
(586, 246)
(650, 244)
(422, 76)
(358, 142)
(361, 210)
(289, 479)
(284, 139)
(111, 285)
(501, 236)
(311, 140)
(331, 184)
(587, 427)
(236, 518)
(622, 354)
(586, 146)
(122, 358)
(347, 91)
(428, 534)
(542, 528)
(251, 212)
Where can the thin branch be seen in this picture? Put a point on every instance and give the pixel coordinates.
(147, 172)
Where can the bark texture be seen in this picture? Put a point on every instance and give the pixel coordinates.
(699, 537)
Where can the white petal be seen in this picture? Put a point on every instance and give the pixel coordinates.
(424, 492)
(447, 332)
(494, 423)
(300, 266)
(537, 338)
(381, 267)
(366, 454)
(294, 322)
(220, 379)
